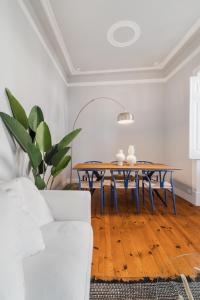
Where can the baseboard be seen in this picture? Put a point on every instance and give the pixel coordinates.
(188, 197)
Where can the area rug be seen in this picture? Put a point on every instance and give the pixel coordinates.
(142, 290)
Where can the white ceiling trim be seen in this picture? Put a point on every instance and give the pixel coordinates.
(41, 39)
(99, 83)
(108, 71)
(182, 64)
(96, 72)
(52, 19)
(139, 81)
(116, 82)
(48, 10)
(182, 42)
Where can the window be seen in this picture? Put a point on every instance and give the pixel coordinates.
(194, 151)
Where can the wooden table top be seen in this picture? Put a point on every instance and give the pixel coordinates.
(126, 166)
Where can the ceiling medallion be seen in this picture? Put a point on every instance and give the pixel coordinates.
(123, 24)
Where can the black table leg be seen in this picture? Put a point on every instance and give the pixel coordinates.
(160, 197)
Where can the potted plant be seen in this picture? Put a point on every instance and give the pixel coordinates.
(33, 136)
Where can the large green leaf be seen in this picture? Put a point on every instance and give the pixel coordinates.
(59, 156)
(43, 137)
(61, 166)
(50, 154)
(35, 155)
(18, 111)
(39, 182)
(35, 118)
(17, 130)
(42, 168)
(32, 134)
(68, 138)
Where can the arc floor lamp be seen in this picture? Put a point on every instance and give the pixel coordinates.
(123, 117)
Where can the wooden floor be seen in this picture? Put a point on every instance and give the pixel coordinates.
(130, 246)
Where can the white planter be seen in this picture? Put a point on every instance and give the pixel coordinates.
(120, 156)
(131, 158)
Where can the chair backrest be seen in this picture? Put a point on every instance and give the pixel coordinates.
(119, 172)
(148, 173)
(128, 175)
(88, 175)
(161, 176)
(124, 174)
(97, 173)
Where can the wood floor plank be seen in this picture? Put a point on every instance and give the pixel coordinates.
(132, 246)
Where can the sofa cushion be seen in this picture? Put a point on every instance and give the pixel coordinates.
(19, 234)
(32, 200)
(62, 270)
(11, 278)
(20, 237)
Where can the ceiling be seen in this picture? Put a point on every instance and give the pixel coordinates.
(84, 26)
(86, 36)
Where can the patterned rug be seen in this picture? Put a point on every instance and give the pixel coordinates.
(144, 290)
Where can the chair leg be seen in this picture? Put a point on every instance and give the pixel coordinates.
(102, 200)
(166, 196)
(143, 200)
(115, 200)
(103, 197)
(152, 200)
(136, 200)
(133, 195)
(173, 200)
(111, 194)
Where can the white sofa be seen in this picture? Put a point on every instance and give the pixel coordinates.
(62, 270)
(56, 256)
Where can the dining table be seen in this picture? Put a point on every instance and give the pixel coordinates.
(124, 167)
(114, 166)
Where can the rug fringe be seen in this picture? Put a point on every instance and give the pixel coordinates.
(145, 280)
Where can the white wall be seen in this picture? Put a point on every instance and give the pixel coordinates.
(27, 70)
(161, 129)
(102, 136)
(176, 131)
(160, 132)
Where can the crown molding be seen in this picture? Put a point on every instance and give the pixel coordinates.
(57, 32)
(48, 10)
(181, 44)
(140, 81)
(182, 64)
(109, 71)
(116, 82)
(36, 29)
(55, 27)
(161, 78)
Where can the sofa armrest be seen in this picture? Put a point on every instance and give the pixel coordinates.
(69, 205)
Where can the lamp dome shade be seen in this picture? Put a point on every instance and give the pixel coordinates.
(125, 118)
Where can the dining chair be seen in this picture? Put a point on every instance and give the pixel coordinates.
(142, 177)
(92, 180)
(163, 181)
(128, 181)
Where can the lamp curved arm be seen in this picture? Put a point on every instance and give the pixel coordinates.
(82, 109)
(94, 100)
